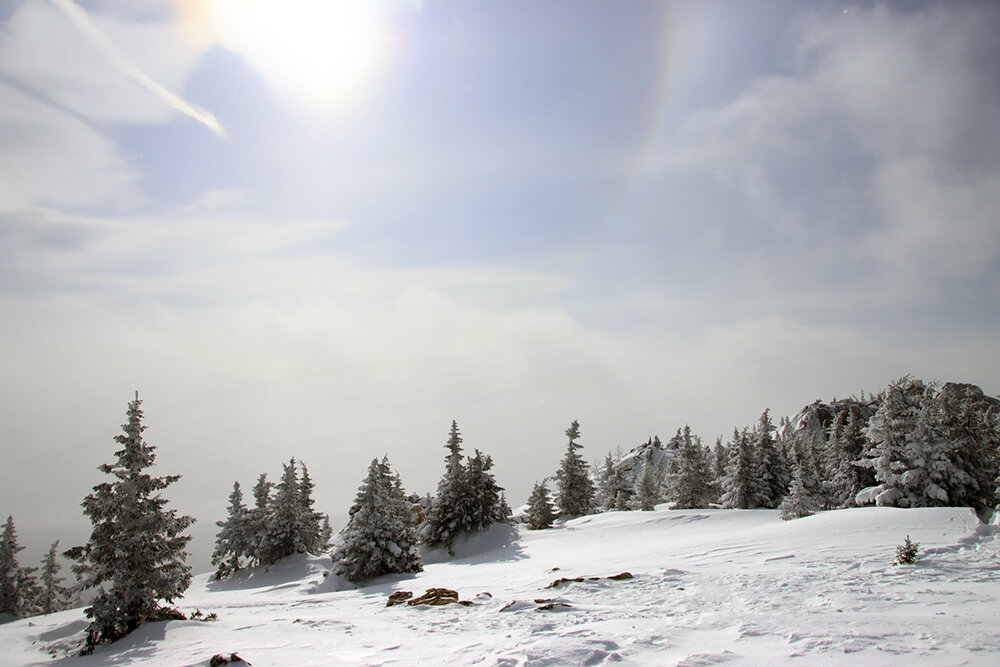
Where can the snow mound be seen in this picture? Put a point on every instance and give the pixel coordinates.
(295, 573)
(499, 542)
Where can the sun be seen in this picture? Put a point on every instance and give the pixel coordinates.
(320, 54)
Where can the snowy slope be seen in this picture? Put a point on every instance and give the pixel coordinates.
(710, 587)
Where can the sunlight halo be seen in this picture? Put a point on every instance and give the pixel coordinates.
(319, 54)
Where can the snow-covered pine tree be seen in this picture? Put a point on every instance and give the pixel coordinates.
(576, 490)
(888, 432)
(540, 513)
(648, 491)
(259, 519)
(607, 489)
(449, 514)
(971, 444)
(799, 502)
(739, 484)
(772, 467)
(720, 459)
(486, 501)
(18, 590)
(53, 596)
(689, 483)
(136, 551)
(233, 540)
(312, 521)
(325, 533)
(284, 535)
(380, 537)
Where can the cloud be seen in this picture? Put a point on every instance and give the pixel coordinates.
(879, 146)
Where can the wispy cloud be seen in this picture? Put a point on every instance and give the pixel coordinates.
(97, 37)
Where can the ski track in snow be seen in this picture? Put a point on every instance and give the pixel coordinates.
(710, 587)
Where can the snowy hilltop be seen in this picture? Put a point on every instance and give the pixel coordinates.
(702, 587)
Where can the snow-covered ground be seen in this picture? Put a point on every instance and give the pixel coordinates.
(709, 587)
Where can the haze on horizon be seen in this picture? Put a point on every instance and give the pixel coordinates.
(639, 215)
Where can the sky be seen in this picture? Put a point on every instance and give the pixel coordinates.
(327, 229)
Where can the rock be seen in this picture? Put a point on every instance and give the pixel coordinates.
(399, 597)
(219, 659)
(569, 580)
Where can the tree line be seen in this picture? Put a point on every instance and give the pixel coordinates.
(914, 444)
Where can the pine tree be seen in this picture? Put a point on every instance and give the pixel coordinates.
(233, 540)
(540, 512)
(17, 586)
(380, 537)
(799, 502)
(720, 459)
(136, 551)
(690, 480)
(772, 468)
(486, 502)
(739, 485)
(312, 521)
(607, 487)
(648, 491)
(449, 514)
(259, 520)
(285, 529)
(576, 490)
(53, 596)
(325, 533)
(888, 432)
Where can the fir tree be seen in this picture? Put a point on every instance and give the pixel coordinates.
(607, 489)
(486, 504)
(647, 487)
(53, 596)
(136, 549)
(258, 519)
(311, 521)
(772, 468)
(449, 514)
(380, 537)
(739, 484)
(720, 459)
(325, 532)
(17, 586)
(799, 502)
(888, 432)
(576, 490)
(690, 480)
(540, 512)
(285, 529)
(233, 540)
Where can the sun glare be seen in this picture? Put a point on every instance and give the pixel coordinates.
(319, 53)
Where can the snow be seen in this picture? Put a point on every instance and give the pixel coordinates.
(709, 587)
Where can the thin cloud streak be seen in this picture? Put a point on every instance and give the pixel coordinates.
(79, 17)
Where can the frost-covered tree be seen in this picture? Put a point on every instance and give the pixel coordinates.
(889, 430)
(690, 477)
(576, 490)
(648, 491)
(53, 596)
(541, 512)
(258, 519)
(799, 502)
(772, 467)
(487, 504)
(325, 532)
(380, 537)
(606, 487)
(18, 589)
(740, 483)
(136, 552)
(720, 460)
(233, 540)
(285, 529)
(449, 514)
(312, 521)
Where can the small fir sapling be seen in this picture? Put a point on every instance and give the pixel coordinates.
(906, 553)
